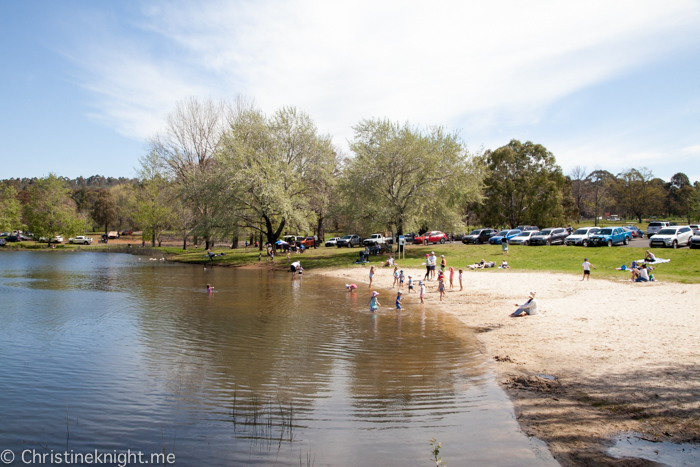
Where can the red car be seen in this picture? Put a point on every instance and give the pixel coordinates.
(431, 237)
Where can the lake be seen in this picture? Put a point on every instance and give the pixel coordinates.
(114, 352)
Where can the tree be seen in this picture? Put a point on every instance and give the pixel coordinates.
(524, 186)
(402, 178)
(10, 209)
(579, 187)
(186, 151)
(104, 211)
(271, 166)
(154, 200)
(600, 183)
(637, 194)
(51, 211)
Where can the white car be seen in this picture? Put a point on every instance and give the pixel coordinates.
(672, 236)
(523, 238)
(80, 239)
(580, 236)
(56, 239)
(332, 241)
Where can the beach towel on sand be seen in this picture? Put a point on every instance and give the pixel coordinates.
(657, 261)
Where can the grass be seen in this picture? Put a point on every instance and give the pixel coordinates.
(684, 266)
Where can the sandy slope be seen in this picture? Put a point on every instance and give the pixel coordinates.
(626, 356)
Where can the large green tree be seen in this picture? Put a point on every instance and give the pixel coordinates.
(524, 186)
(402, 178)
(154, 200)
(105, 211)
(638, 194)
(50, 210)
(272, 168)
(10, 209)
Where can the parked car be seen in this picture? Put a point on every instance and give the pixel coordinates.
(695, 239)
(655, 226)
(459, 236)
(375, 239)
(479, 236)
(635, 231)
(434, 236)
(2, 242)
(409, 238)
(56, 239)
(332, 241)
(503, 234)
(526, 228)
(309, 242)
(672, 237)
(550, 236)
(13, 238)
(80, 239)
(349, 241)
(523, 238)
(580, 236)
(128, 232)
(610, 236)
(4, 234)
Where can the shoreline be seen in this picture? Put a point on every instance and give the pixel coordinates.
(601, 358)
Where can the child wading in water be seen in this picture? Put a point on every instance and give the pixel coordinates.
(460, 280)
(374, 302)
(210, 289)
(441, 288)
(452, 275)
(410, 284)
(398, 300)
(422, 291)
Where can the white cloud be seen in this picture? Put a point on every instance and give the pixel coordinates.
(482, 64)
(695, 149)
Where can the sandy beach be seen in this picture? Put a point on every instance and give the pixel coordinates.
(623, 356)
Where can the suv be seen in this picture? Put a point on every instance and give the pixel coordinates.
(580, 236)
(332, 241)
(550, 236)
(479, 236)
(309, 242)
(523, 238)
(672, 236)
(431, 237)
(349, 241)
(81, 239)
(504, 235)
(654, 227)
(525, 228)
(610, 236)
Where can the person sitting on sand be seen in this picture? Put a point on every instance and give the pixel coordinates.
(527, 308)
(649, 257)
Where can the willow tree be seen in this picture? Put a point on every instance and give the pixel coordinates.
(401, 178)
(273, 166)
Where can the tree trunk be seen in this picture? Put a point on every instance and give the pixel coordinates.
(260, 244)
(184, 241)
(106, 227)
(153, 240)
(234, 242)
(319, 229)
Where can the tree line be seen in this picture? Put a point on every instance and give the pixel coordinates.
(220, 171)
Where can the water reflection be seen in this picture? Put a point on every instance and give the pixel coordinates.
(135, 354)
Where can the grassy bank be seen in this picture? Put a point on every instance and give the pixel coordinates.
(684, 266)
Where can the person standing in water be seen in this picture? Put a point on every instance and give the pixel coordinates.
(398, 300)
(210, 289)
(374, 302)
(422, 291)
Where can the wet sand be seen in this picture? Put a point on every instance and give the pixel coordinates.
(601, 357)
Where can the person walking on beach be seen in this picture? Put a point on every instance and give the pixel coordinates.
(422, 291)
(452, 275)
(371, 274)
(396, 277)
(374, 302)
(427, 267)
(587, 269)
(433, 264)
(443, 263)
(460, 280)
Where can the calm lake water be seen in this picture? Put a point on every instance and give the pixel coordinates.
(114, 352)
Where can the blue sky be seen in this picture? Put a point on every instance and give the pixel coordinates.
(608, 85)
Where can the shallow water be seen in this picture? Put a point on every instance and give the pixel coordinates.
(114, 352)
(673, 455)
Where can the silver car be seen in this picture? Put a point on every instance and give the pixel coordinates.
(672, 236)
(580, 236)
(523, 238)
(655, 226)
